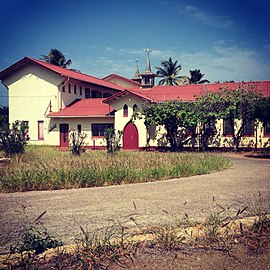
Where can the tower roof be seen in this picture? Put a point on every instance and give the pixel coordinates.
(148, 64)
(137, 73)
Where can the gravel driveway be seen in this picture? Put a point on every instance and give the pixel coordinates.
(150, 203)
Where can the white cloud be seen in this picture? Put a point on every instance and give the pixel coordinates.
(218, 63)
(208, 18)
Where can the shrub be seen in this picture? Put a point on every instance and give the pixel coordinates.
(13, 140)
(76, 142)
(112, 140)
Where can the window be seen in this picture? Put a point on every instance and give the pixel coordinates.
(75, 89)
(209, 128)
(125, 110)
(267, 130)
(87, 93)
(79, 128)
(227, 129)
(40, 130)
(63, 87)
(249, 129)
(98, 129)
(135, 108)
(80, 91)
(69, 88)
(96, 94)
(146, 80)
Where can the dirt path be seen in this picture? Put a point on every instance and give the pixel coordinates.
(148, 203)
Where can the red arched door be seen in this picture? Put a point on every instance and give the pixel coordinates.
(64, 135)
(130, 137)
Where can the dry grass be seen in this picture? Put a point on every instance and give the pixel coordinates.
(44, 168)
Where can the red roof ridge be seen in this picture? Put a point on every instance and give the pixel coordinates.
(62, 72)
(119, 76)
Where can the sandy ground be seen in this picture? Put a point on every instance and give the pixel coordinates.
(153, 203)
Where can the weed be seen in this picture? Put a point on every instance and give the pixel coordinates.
(95, 252)
(34, 237)
(168, 237)
(212, 225)
(42, 168)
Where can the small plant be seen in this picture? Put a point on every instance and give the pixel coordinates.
(262, 220)
(76, 142)
(168, 237)
(33, 240)
(112, 140)
(13, 140)
(213, 223)
(96, 252)
(34, 237)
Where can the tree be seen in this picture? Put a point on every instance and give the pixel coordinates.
(57, 58)
(262, 110)
(176, 116)
(169, 72)
(207, 112)
(238, 108)
(3, 118)
(196, 77)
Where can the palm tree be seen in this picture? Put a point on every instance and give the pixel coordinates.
(169, 71)
(57, 58)
(196, 77)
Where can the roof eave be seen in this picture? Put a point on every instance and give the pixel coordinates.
(80, 116)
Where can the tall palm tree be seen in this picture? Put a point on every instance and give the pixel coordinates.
(196, 77)
(169, 71)
(57, 58)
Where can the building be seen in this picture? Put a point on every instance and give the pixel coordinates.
(54, 100)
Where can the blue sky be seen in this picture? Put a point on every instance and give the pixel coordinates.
(226, 40)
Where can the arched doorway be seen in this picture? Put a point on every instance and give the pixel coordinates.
(130, 137)
(64, 135)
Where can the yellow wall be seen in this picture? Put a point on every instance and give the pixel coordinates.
(53, 137)
(31, 89)
(122, 82)
(121, 121)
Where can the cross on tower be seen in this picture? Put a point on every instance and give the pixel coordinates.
(148, 65)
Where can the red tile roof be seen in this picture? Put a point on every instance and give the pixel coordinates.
(187, 92)
(122, 78)
(64, 72)
(88, 107)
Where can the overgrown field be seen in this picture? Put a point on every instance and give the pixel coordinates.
(43, 168)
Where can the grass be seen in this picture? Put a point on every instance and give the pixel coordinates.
(45, 168)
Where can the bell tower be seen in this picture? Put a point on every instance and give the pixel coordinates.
(147, 77)
(137, 77)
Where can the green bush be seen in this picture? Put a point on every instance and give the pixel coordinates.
(112, 140)
(13, 140)
(76, 142)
